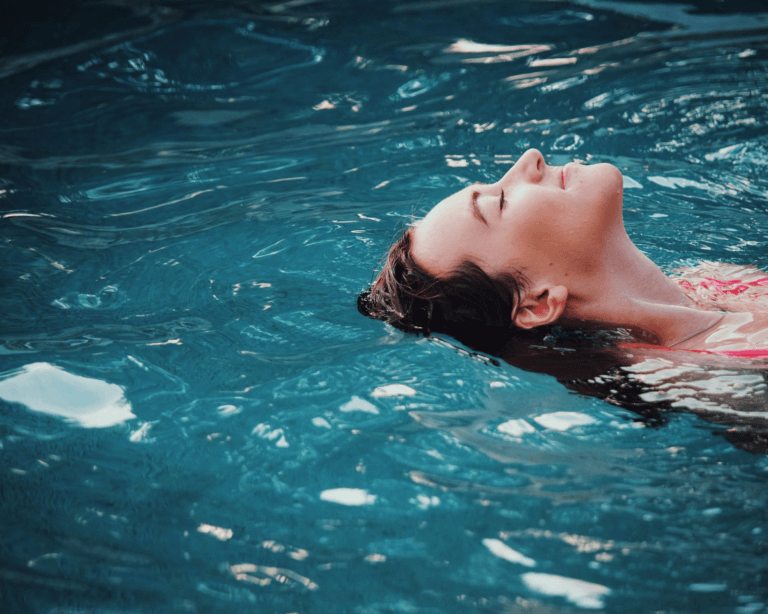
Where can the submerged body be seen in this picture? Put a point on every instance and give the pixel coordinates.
(741, 293)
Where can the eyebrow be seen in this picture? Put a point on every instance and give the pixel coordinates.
(475, 209)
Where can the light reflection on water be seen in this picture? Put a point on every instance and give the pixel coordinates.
(187, 212)
(52, 390)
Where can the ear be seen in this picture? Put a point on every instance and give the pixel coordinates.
(540, 307)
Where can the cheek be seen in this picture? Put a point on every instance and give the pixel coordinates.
(514, 246)
(494, 252)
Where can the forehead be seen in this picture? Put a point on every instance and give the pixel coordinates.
(450, 205)
(443, 239)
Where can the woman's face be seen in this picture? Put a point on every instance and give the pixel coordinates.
(537, 218)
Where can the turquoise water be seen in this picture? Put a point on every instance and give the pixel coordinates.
(194, 416)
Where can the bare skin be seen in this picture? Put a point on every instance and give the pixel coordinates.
(562, 227)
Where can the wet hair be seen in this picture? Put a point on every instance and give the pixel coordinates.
(465, 302)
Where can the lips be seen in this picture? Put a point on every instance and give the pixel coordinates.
(564, 172)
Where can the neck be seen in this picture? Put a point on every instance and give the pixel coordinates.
(626, 289)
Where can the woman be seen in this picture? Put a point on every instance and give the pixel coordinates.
(547, 245)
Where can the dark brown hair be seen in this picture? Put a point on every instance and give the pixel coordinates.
(412, 299)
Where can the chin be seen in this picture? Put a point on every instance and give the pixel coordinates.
(611, 195)
(612, 180)
(609, 172)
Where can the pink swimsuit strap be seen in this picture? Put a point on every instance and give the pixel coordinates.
(736, 353)
(726, 286)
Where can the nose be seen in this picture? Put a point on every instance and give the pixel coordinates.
(529, 167)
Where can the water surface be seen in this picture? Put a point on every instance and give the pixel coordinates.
(195, 418)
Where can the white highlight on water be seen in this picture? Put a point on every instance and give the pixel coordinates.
(49, 389)
(583, 594)
(218, 532)
(228, 410)
(265, 431)
(563, 420)
(348, 496)
(358, 404)
(393, 390)
(677, 182)
(425, 501)
(501, 550)
(631, 183)
(516, 428)
(141, 433)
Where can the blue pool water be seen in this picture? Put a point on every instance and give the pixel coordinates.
(195, 418)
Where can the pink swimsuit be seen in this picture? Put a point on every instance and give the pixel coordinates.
(730, 286)
(735, 353)
(727, 287)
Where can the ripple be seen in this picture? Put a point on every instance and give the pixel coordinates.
(124, 188)
(77, 338)
(287, 140)
(564, 17)
(171, 61)
(470, 52)
(89, 236)
(567, 142)
(109, 297)
(681, 14)
(421, 85)
(749, 156)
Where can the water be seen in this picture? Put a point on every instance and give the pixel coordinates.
(196, 419)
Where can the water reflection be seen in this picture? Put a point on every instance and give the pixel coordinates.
(158, 62)
(51, 390)
(587, 595)
(721, 390)
(214, 241)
